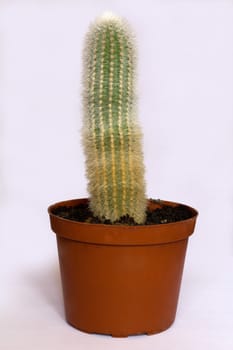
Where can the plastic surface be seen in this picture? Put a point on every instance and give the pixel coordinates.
(121, 280)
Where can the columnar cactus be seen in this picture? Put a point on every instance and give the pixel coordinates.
(111, 135)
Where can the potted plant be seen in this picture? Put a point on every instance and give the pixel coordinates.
(121, 255)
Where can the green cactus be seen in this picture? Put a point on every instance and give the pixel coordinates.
(111, 135)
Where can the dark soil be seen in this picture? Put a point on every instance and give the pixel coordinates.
(165, 214)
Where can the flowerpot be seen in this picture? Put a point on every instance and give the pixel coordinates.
(121, 280)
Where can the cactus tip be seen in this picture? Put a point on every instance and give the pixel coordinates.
(107, 15)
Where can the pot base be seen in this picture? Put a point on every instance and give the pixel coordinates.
(122, 334)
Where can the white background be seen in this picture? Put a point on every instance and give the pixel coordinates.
(185, 85)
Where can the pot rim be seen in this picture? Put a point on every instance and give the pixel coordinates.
(121, 234)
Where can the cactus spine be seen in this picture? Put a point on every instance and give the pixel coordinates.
(111, 135)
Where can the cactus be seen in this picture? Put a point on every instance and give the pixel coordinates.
(111, 134)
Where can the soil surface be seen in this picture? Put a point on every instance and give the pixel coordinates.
(165, 214)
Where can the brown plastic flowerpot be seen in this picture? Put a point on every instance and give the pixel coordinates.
(121, 280)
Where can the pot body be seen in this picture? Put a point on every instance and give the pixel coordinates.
(121, 280)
